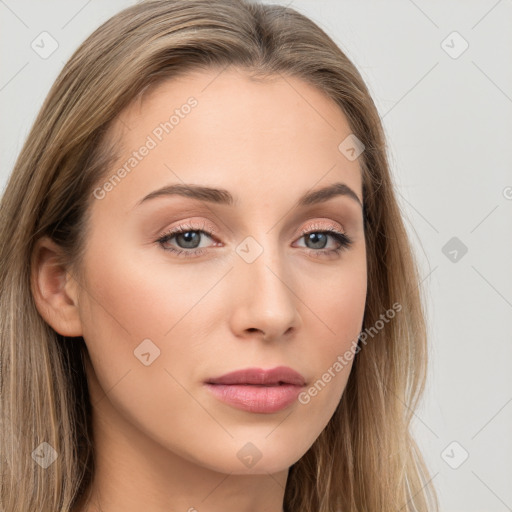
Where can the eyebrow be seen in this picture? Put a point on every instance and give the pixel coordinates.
(224, 197)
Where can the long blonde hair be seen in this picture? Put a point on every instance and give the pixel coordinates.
(365, 459)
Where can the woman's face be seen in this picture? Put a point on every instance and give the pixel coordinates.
(241, 287)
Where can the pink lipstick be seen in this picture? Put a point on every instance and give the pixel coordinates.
(257, 390)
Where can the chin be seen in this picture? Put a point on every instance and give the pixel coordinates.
(246, 458)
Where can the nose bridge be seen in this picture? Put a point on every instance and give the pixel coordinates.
(264, 299)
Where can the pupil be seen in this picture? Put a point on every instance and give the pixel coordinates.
(314, 237)
(189, 238)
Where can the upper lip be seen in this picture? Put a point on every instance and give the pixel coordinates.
(274, 376)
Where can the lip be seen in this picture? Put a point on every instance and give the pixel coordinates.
(274, 376)
(257, 390)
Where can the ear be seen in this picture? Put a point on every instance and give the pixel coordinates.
(54, 290)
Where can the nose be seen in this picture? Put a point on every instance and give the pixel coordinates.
(264, 303)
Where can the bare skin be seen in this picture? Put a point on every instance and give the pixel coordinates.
(163, 441)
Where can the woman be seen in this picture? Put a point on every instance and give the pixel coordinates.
(208, 297)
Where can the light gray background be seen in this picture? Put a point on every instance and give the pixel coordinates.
(449, 127)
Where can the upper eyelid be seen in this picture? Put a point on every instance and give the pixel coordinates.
(210, 229)
(207, 229)
(183, 228)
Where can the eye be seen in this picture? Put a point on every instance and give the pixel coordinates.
(189, 238)
(319, 238)
(186, 235)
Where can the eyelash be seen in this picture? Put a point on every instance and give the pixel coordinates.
(344, 241)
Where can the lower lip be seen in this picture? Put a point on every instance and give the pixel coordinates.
(252, 398)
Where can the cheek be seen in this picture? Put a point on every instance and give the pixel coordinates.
(137, 296)
(332, 334)
(128, 302)
(337, 301)
(124, 301)
(144, 309)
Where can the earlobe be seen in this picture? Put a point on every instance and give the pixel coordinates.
(54, 289)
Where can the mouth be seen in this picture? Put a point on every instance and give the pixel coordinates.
(281, 375)
(256, 390)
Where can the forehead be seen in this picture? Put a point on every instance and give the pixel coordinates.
(220, 127)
